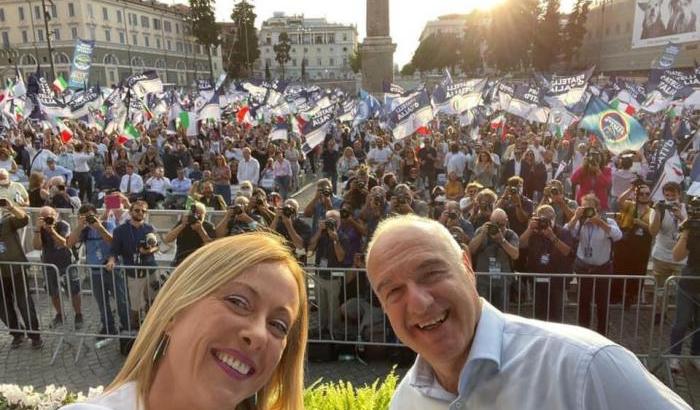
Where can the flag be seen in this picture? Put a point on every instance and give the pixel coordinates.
(694, 189)
(617, 130)
(184, 119)
(65, 132)
(211, 110)
(618, 105)
(564, 90)
(60, 84)
(665, 166)
(314, 130)
(412, 114)
(19, 89)
(243, 116)
(279, 132)
(129, 132)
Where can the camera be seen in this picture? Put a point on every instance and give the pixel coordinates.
(492, 229)
(49, 220)
(90, 219)
(692, 225)
(150, 241)
(288, 211)
(514, 190)
(3, 202)
(453, 215)
(377, 200)
(236, 210)
(664, 206)
(326, 192)
(593, 158)
(589, 212)
(259, 201)
(61, 187)
(542, 223)
(344, 213)
(626, 161)
(330, 224)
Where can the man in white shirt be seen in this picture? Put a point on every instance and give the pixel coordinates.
(131, 184)
(39, 157)
(456, 161)
(156, 188)
(472, 356)
(248, 169)
(379, 156)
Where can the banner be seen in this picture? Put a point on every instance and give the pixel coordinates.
(82, 60)
(145, 83)
(83, 101)
(564, 90)
(668, 57)
(617, 130)
(314, 130)
(457, 98)
(664, 166)
(657, 22)
(667, 85)
(392, 88)
(410, 115)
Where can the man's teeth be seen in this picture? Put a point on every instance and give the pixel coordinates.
(433, 322)
(233, 363)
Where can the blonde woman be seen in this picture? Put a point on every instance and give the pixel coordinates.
(227, 331)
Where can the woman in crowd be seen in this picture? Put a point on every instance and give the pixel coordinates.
(454, 188)
(485, 171)
(37, 195)
(346, 164)
(149, 162)
(227, 331)
(120, 161)
(282, 171)
(6, 161)
(221, 174)
(294, 156)
(409, 160)
(267, 176)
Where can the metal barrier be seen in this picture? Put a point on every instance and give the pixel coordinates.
(685, 290)
(133, 289)
(23, 282)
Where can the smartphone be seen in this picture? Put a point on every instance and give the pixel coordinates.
(3, 202)
(112, 202)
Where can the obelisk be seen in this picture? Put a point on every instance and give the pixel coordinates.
(377, 49)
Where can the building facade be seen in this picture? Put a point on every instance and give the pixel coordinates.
(612, 28)
(447, 24)
(130, 36)
(326, 47)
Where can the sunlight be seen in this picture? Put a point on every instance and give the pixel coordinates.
(485, 4)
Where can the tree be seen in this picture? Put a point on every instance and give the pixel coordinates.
(471, 43)
(511, 33)
(356, 60)
(282, 49)
(426, 53)
(204, 27)
(547, 42)
(575, 29)
(408, 70)
(268, 76)
(244, 50)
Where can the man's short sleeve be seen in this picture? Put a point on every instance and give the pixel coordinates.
(513, 238)
(63, 229)
(18, 223)
(616, 379)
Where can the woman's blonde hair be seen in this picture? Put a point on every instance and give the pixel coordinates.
(201, 274)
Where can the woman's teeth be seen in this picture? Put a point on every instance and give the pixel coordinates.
(233, 363)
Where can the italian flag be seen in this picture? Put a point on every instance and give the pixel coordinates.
(147, 114)
(184, 119)
(60, 84)
(243, 116)
(65, 132)
(624, 107)
(128, 133)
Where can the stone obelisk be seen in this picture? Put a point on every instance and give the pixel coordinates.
(377, 49)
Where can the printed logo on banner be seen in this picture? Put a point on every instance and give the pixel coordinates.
(613, 127)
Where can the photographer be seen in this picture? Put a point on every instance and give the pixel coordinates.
(375, 210)
(402, 200)
(237, 219)
(593, 177)
(452, 216)
(324, 200)
(481, 213)
(564, 207)
(547, 248)
(688, 292)
(211, 200)
(259, 208)
(625, 175)
(287, 223)
(15, 291)
(60, 195)
(191, 232)
(666, 218)
(517, 206)
(594, 254)
(96, 236)
(49, 237)
(134, 242)
(631, 254)
(494, 250)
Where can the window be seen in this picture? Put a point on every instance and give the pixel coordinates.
(177, 28)
(119, 16)
(108, 36)
(2, 14)
(268, 62)
(145, 22)
(71, 10)
(166, 26)
(122, 37)
(25, 38)
(331, 38)
(268, 40)
(179, 47)
(319, 62)
(294, 62)
(146, 41)
(213, 51)
(156, 24)
(56, 34)
(5, 39)
(111, 76)
(54, 11)
(40, 35)
(105, 14)
(158, 42)
(319, 39)
(135, 40)
(20, 11)
(90, 13)
(331, 62)
(74, 32)
(37, 12)
(345, 36)
(345, 49)
(92, 33)
(170, 46)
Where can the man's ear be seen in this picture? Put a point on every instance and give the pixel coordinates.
(467, 262)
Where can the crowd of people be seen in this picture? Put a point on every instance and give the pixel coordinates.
(518, 199)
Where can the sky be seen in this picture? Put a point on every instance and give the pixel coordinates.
(407, 19)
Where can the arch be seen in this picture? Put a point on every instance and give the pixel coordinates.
(61, 58)
(27, 59)
(110, 59)
(137, 61)
(160, 63)
(180, 65)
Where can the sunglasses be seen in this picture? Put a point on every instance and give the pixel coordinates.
(644, 193)
(138, 211)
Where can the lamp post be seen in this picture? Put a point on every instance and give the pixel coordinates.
(48, 37)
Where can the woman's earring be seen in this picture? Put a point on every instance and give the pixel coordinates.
(162, 347)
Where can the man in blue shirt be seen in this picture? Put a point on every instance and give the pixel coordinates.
(324, 200)
(135, 244)
(96, 236)
(472, 356)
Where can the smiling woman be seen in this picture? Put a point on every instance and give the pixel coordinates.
(227, 331)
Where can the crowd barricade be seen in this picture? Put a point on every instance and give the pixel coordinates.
(27, 308)
(118, 302)
(681, 307)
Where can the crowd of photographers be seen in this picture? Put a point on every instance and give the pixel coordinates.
(518, 201)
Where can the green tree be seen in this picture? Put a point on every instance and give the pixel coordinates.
(204, 27)
(244, 49)
(575, 30)
(547, 42)
(408, 69)
(471, 43)
(511, 32)
(282, 49)
(424, 58)
(356, 60)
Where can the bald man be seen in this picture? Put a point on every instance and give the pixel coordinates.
(472, 356)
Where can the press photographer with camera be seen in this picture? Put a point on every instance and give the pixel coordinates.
(554, 196)
(594, 253)
(629, 167)
(134, 243)
(324, 200)
(481, 212)
(494, 249)
(191, 233)
(287, 223)
(96, 236)
(517, 206)
(375, 209)
(547, 249)
(452, 216)
(687, 248)
(49, 237)
(237, 219)
(593, 177)
(401, 202)
(260, 209)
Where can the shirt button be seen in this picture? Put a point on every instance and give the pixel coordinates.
(458, 405)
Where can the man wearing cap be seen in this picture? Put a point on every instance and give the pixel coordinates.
(472, 356)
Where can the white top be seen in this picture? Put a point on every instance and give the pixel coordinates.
(667, 236)
(38, 162)
(379, 156)
(159, 185)
(519, 363)
(456, 163)
(136, 183)
(599, 242)
(124, 398)
(81, 161)
(248, 171)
